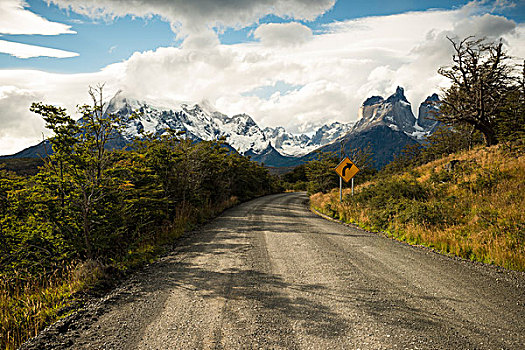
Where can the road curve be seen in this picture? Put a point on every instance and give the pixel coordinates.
(269, 274)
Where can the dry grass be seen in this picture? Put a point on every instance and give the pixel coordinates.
(476, 212)
(29, 303)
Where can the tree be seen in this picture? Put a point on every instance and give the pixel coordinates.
(482, 77)
(511, 120)
(320, 173)
(78, 167)
(363, 158)
(409, 157)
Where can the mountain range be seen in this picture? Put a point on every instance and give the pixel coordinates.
(203, 122)
(388, 125)
(385, 125)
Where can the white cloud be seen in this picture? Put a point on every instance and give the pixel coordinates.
(27, 51)
(195, 16)
(283, 34)
(15, 19)
(487, 25)
(19, 128)
(336, 70)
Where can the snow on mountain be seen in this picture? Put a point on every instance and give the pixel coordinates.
(395, 112)
(287, 143)
(243, 134)
(298, 145)
(202, 122)
(199, 123)
(329, 133)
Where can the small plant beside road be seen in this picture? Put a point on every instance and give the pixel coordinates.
(474, 211)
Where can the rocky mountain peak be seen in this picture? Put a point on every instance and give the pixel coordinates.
(395, 112)
(432, 98)
(373, 100)
(399, 95)
(245, 119)
(428, 111)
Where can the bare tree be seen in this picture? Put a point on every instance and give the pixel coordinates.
(481, 76)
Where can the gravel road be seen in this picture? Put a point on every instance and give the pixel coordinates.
(269, 274)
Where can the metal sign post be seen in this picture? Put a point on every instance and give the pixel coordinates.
(340, 178)
(346, 171)
(340, 189)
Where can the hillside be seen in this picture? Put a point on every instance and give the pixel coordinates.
(384, 142)
(21, 166)
(468, 204)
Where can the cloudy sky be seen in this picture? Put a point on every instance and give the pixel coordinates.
(291, 63)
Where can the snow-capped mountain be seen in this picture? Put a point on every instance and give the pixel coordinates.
(396, 113)
(329, 133)
(386, 126)
(296, 145)
(287, 143)
(203, 122)
(199, 123)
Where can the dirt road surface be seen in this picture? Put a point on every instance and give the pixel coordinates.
(269, 274)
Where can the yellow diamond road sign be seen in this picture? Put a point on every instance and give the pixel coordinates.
(346, 169)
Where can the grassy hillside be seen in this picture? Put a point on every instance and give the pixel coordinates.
(474, 210)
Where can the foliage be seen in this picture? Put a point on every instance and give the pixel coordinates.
(511, 119)
(21, 166)
(296, 179)
(363, 159)
(320, 173)
(76, 172)
(411, 155)
(472, 211)
(482, 78)
(444, 141)
(114, 208)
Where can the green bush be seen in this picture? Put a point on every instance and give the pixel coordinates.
(382, 194)
(300, 186)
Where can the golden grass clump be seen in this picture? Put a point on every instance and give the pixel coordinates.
(28, 304)
(475, 212)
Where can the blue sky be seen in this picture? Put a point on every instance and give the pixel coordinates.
(291, 63)
(100, 42)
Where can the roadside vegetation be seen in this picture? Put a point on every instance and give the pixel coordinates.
(318, 175)
(473, 209)
(463, 191)
(90, 214)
